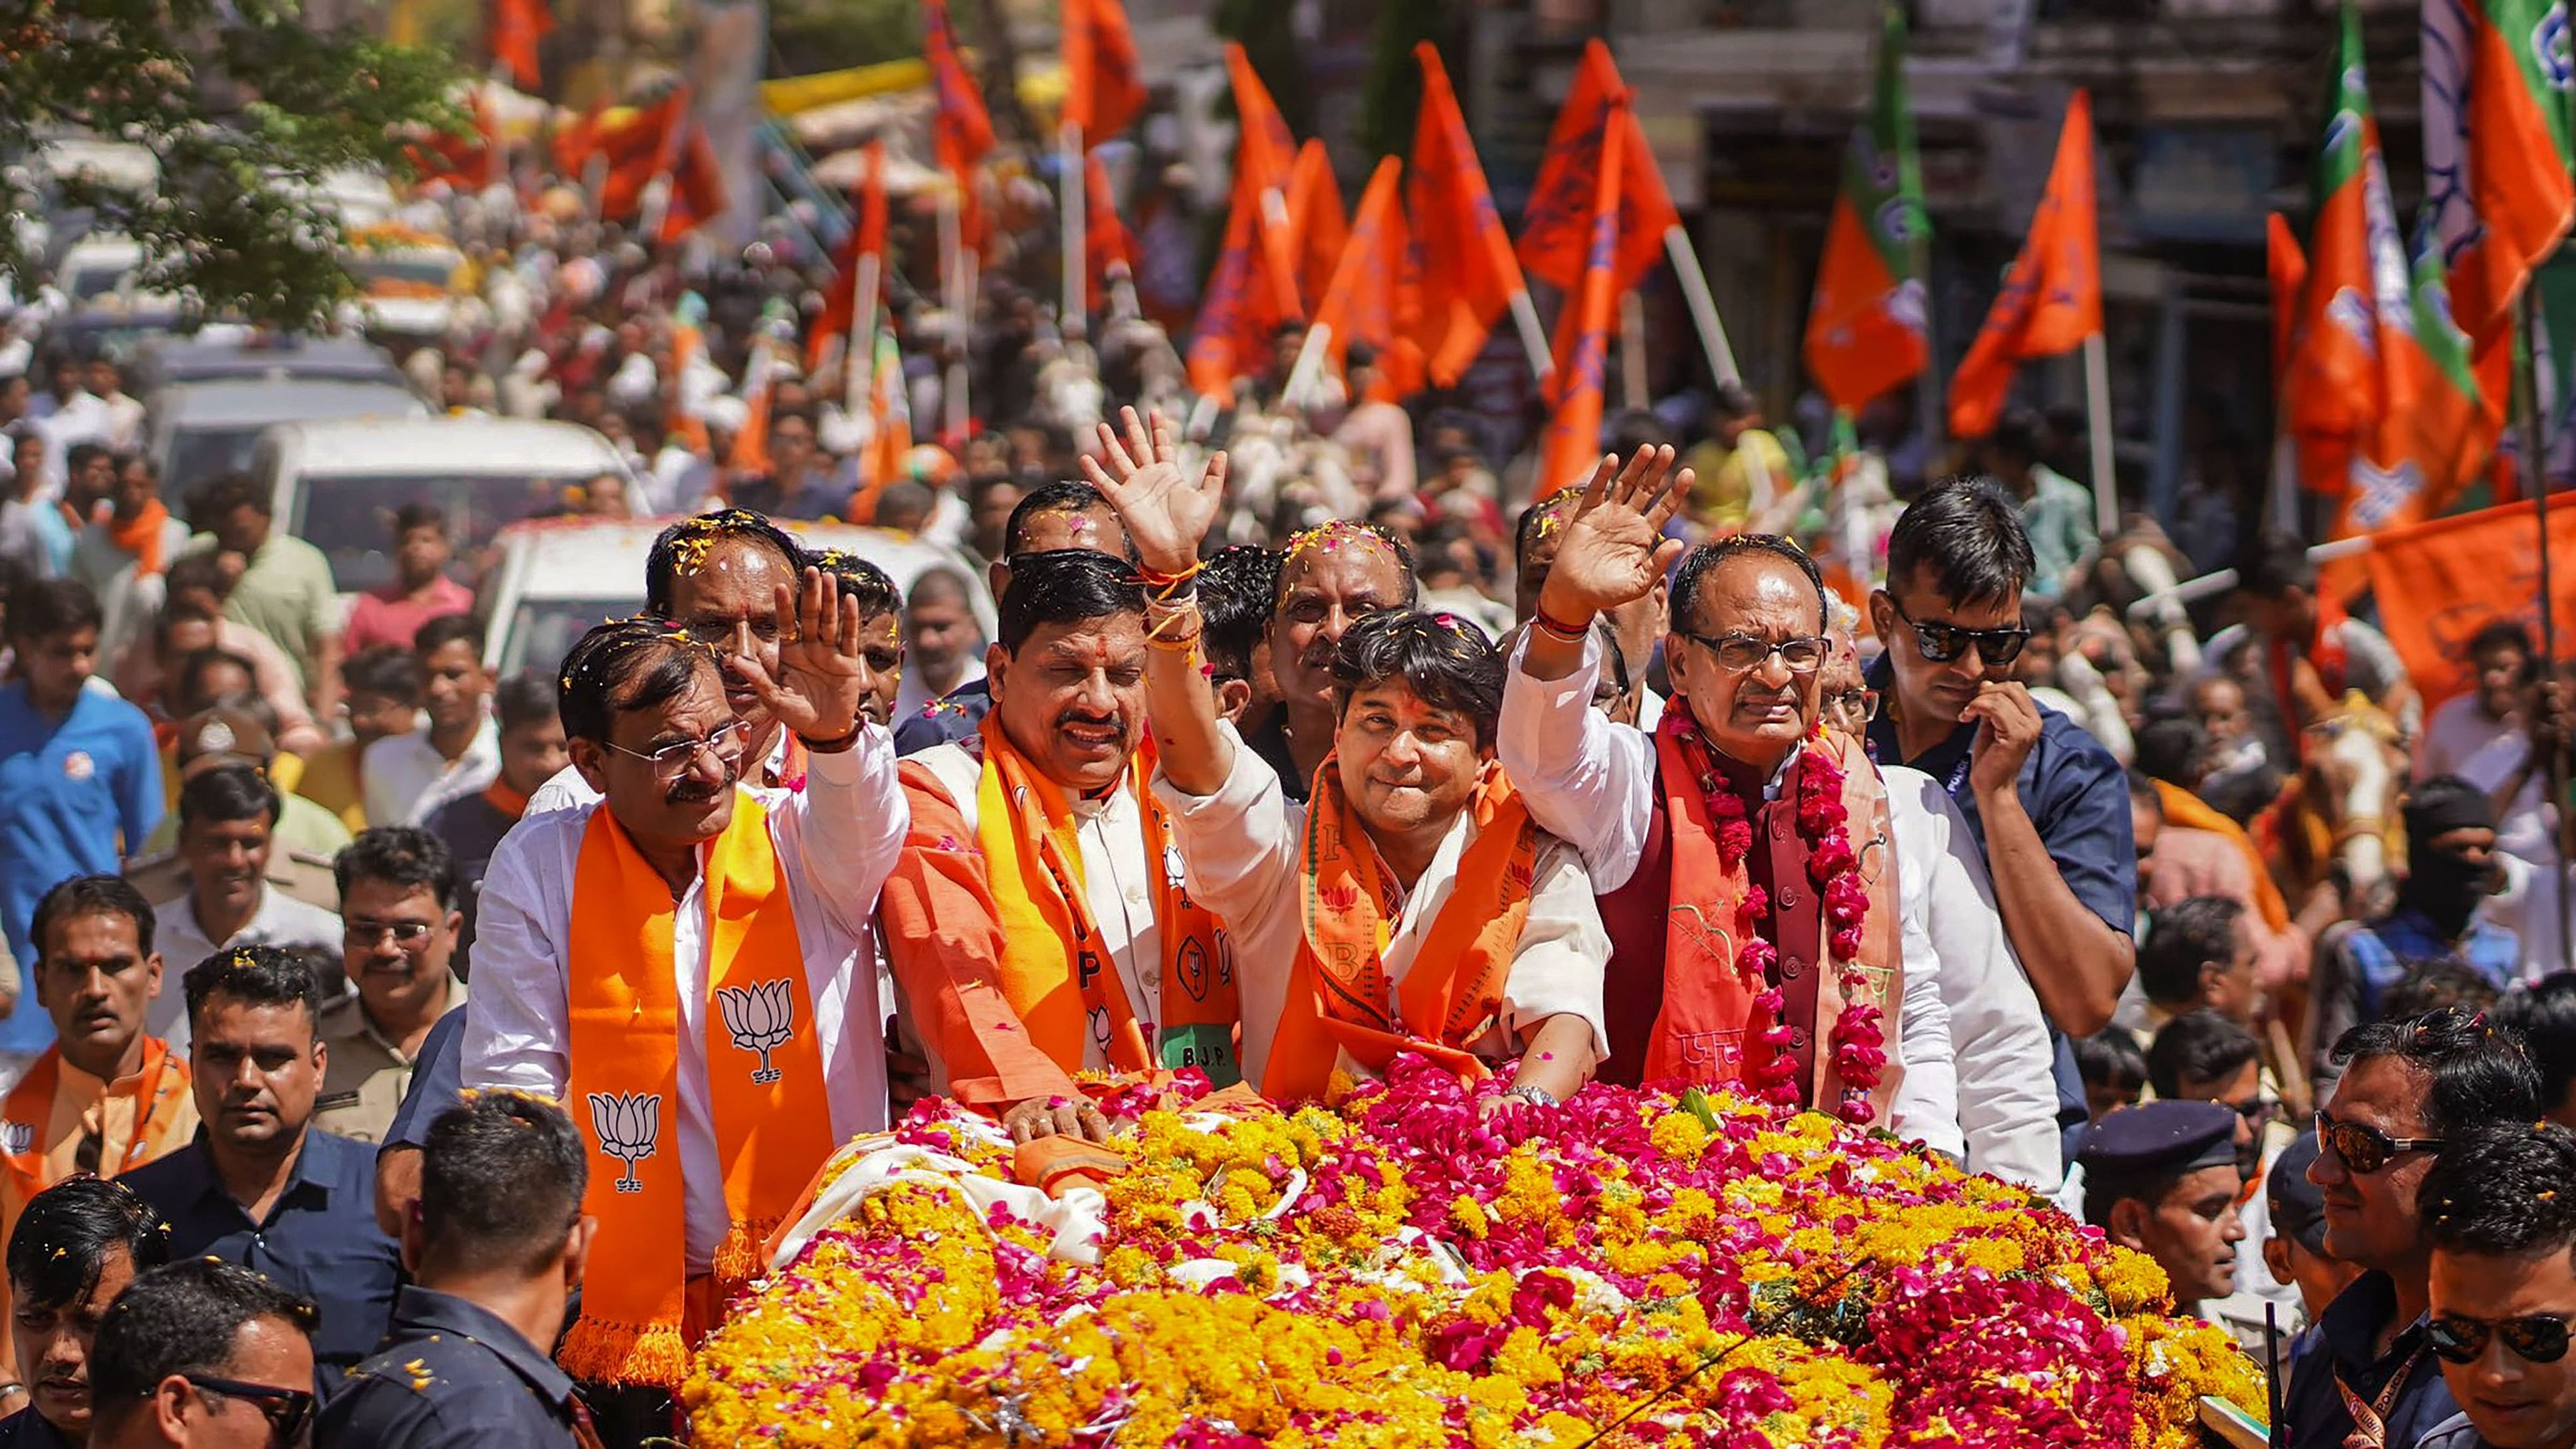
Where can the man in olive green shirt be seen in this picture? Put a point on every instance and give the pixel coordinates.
(285, 589)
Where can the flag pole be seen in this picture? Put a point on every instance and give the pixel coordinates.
(1632, 351)
(2536, 477)
(859, 354)
(2097, 423)
(952, 276)
(1703, 307)
(1533, 336)
(1073, 187)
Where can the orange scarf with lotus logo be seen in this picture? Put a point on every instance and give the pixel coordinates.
(773, 1122)
(1055, 969)
(1339, 999)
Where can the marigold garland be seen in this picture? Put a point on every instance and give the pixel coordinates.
(1399, 1270)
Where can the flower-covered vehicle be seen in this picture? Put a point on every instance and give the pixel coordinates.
(1405, 1269)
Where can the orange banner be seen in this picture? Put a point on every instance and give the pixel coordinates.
(2456, 575)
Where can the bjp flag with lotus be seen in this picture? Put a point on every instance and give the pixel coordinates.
(1866, 329)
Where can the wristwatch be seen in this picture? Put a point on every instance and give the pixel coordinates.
(1535, 1096)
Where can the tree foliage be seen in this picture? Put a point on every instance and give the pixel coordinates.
(245, 107)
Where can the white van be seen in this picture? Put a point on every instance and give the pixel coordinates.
(336, 485)
(558, 577)
(199, 430)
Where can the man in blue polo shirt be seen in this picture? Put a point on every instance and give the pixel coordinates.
(259, 1187)
(80, 784)
(2047, 803)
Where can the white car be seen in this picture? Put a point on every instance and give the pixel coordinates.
(558, 577)
(202, 429)
(337, 484)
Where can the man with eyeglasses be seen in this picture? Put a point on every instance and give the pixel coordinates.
(690, 964)
(1710, 825)
(2408, 1089)
(2048, 805)
(201, 1354)
(2501, 1210)
(398, 937)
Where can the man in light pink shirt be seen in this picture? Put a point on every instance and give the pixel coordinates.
(421, 590)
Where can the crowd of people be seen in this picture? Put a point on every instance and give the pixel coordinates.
(1292, 750)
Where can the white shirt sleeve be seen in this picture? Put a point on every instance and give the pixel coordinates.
(519, 1029)
(1239, 858)
(848, 825)
(1563, 952)
(1588, 782)
(1926, 1108)
(2006, 1094)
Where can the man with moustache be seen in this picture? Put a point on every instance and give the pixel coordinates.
(712, 577)
(227, 825)
(2161, 1179)
(2502, 1217)
(1038, 923)
(398, 897)
(1331, 577)
(690, 963)
(2409, 1089)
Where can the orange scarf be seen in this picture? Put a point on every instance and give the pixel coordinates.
(161, 1121)
(1339, 1000)
(2190, 812)
(141, 536)
(1707, 1033)
(506, 800)
(1055, 970)
(764, 1072)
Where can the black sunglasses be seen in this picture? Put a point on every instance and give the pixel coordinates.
(2364, 1148)
(288, 1411)
(1941, 643)
(2539, 1338)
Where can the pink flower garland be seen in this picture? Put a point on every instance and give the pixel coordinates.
(1859, 1041)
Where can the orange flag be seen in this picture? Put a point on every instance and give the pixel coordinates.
(841, 302)
(472, 161)
(1316, 221)
(573, 143)
(1104, 235)
(697, 187)
(1573, 441)
(1366, 299)
(1866, 329)
(2052, 297)
(516, 26)
(637, 146)
(686, 344)
(2497, 146)
(749, 455)
(1469, 274)
(2459, 573)
(2287, 266)
(1556, 227)
(965, 129)
(882, 460)
(1253, 288)
(1103, 90)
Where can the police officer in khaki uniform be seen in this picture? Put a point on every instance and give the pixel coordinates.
(306, 835)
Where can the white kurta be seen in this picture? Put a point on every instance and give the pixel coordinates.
(1241, 848)
(836, 841)
(407, 779)
(1118, 884)
(1970, 1035)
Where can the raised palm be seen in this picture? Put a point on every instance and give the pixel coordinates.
(822, 662)
(1613, 549)
(1167, 515)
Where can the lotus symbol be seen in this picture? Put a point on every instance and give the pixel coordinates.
(760, 1018)
(628, 1125)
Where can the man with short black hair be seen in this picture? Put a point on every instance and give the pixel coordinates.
(420, 589)
(2046, 802)
(398, 909)
(2161, 1179)
(532, 751)
(2311, 653)
(457, 752)
(943, 644)
(260, 1187)
(1235, 590)
(80, 783)
(200, 1354)
(73, 1250)
(2199, 953)
(495, 1247)
(227, 824)
(383, 694)
(2056, 511)
(2408, 1089)
(106, 1096)
(880, 627)
(2502, 1218)
(285, 589)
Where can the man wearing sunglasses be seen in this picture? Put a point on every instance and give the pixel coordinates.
(2501, 1210)
(2047, 803)
(201, 1354)
(2409, 1088)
